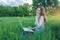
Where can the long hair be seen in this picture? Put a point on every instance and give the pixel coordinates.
(42, 12)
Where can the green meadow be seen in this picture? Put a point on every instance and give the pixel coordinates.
(10, 28)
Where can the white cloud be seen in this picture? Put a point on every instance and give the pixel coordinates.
(58, 0)
(16, 2)
(12, 0)
(5, 1)
(28, 1)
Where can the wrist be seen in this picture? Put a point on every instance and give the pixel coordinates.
(38, 27)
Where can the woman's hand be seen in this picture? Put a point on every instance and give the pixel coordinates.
(39, 26)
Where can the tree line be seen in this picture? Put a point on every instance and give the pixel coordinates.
(24, 10)
(21, 10)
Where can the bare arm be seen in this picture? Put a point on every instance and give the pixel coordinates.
(37, 15)
(41, 21)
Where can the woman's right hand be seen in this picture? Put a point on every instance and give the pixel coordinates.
(38, 26)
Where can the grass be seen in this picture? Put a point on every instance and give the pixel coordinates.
(10, 28)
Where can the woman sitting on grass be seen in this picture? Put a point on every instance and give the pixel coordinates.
(40, 19)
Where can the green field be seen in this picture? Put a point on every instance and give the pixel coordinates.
(10, 28)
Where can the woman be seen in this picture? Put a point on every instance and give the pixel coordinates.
(40, 19)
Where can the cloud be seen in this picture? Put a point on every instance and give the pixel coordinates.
(28, 1)
(4, 1)
(16, 2)
(58, 0)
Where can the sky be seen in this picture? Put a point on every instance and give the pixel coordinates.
(58, 0)
(16, 2)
